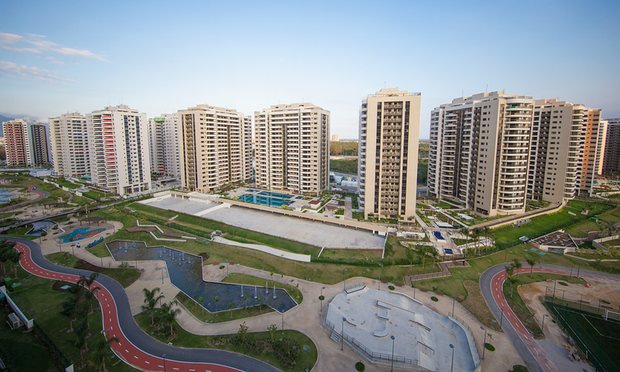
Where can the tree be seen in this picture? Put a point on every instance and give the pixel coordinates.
(101, 351)
(169, 313)
(273, 329)
(151, 297)
(87, 281)
(241, 336)
(531, 261)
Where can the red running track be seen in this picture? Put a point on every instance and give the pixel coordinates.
(124, 349)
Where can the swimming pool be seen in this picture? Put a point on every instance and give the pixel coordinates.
(275, 194)
(79, 234)
(185, 272)
(271, 201)
(438, 235)
(5, 196)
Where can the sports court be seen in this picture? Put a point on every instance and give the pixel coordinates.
(592, 332)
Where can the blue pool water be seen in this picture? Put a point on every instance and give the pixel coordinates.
(185, 272)
(275, 194)
(448, 251)
(79, 234)
(271, 201)
(438, 235)
(5, 196)
(39, 227)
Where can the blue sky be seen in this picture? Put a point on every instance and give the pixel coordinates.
(158, 57)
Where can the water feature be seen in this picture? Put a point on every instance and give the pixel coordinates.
(79, 233)
(264, 200)
(185, 272)
(5, 196)
(39, 227)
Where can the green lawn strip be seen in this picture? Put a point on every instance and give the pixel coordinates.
(125, 276)
(517, 304)
(257, 344)
(95, 194)
(66, 183)
(599, 223)
(207, 225)
(40, 301)
(21, 351)
(508, 236)
(348, 166)
(221, 316)
(293, 291)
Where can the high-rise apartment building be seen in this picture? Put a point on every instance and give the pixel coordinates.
(18, 144)
(602, 141)
(119, 150)
(292, 148)
(590, 136)
(39, 144)
(164, 145)
(69, 142)
(215, 147)
(479, 152)
(611, 157)
(557, 148)
(388, 153)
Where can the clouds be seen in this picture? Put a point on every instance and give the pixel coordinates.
(12, 68)
(39, 44)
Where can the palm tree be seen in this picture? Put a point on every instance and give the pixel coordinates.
(87, 281)
(101, 352)
(531, 261)
(169, 313)
(151, 297)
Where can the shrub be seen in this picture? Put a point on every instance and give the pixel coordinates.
(391, 287)
(489, 347)
(359, 366)
(434, 299)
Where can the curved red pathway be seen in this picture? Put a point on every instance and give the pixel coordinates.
(124, 349)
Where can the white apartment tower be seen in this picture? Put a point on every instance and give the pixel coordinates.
(479, 152)
(388, 154)
(69, 142)
(292, 148)
(119, 150)
(164, 145)
(559, 140)
(215, 147)
(18, 143)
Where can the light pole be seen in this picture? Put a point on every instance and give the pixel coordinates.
(162, 274)
(453, 307)
(164, 362)
(452, 362)
(393, 340)
(342, 335)
(542, 325)
(413, 291)
(282, 320)
(484, 343)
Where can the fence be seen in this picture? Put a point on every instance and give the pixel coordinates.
(605, 310)
(561, 295)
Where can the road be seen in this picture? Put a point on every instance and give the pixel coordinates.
(491, 285)
(134, 346)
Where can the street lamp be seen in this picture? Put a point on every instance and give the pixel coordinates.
(342, 334)
(542, 326)
(393, 340)
(452, 362)
(453, 307)
(484, 343)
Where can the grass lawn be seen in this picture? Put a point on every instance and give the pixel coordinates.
(348, 166)
(21, 351)
(252, 280)
(125, 276)
(518, 305)
(222, 316)
(261, 349)
(95, 194)
(508, 236)
(40, 301)
(599, 223)
(66, 183)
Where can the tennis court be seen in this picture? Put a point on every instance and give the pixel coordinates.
(595, 336)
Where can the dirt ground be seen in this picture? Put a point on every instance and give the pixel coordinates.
(555, 341)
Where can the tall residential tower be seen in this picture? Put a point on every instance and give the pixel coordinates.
(164, 145)
(611, 156)
(479, 152)
(215, 146)
(292, 148)
(388, 153)
(69, 142)
(18, 145)
(119, 150)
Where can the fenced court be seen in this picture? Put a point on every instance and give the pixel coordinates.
(597, 337)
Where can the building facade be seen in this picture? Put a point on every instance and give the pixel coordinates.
(611, 157)
(292, 148)
(39, 145)
(479, 152)
(388, 153)
(590, 135)
(215, 147)
(18, 144)
(602, 141)
(164, 145)
(556, 152)
(69, 143)
(119, 150)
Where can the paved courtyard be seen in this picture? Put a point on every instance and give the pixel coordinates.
(375, 321)
(304, 231)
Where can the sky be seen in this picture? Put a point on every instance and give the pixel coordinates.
(163, 56)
